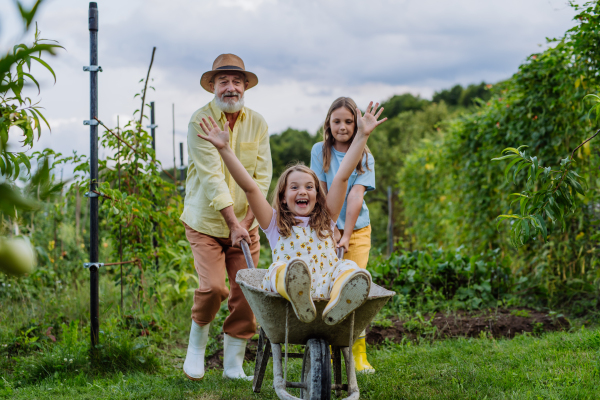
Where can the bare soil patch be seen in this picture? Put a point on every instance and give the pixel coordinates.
(501, 323)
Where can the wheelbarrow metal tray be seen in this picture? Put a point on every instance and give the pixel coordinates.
(270, 311)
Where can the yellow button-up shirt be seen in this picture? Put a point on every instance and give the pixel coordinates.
(209, 185)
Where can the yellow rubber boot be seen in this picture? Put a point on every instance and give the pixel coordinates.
(337, 285)
(359, 353)
(293, 284)
(349, 291)
(280, 282)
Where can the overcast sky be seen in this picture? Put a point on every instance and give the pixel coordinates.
(306, 53)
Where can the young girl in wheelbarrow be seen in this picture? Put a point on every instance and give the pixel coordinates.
(353, 223)
(300, 228)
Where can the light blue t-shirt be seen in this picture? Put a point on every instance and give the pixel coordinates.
(367, 179)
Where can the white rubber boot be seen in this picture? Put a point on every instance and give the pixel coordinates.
(193, 367)
(233, 358)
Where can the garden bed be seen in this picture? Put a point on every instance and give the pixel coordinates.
(495, 323)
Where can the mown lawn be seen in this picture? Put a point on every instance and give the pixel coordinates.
(554, 366)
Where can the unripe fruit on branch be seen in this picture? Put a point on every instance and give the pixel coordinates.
(16, 256)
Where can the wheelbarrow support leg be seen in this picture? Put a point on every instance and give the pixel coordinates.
(353, 392)
(337, 369)
(263, 354)
(278, 382)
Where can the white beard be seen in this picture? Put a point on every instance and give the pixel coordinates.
(230, 107)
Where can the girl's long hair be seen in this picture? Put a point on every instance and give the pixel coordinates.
(328, 139)
(319, 218)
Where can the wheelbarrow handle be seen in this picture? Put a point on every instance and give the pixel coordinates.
(247, 255)
(340, 252)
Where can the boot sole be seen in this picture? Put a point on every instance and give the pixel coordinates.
(297, 286)
(192, 379)
(353, 294)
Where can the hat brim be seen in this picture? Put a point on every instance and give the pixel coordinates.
(207, 77)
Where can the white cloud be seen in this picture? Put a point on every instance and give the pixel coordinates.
(305, 53)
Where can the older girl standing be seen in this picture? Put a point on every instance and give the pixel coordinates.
(339, 131)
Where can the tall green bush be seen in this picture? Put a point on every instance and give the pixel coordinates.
(453, 193)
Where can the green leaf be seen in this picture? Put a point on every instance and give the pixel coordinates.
(505, 157)
(35, 110)
(33, 79)
(524, 165)
(542, 223)
(28, 15)
(511, 150)
(575, 185)
(525, 229)
(45, 64)
(510, 165)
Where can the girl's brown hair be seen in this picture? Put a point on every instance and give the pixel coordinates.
(328, 139)
(319, 220)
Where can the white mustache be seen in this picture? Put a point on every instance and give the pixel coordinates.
(230, 94)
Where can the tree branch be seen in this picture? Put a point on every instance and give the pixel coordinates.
(116, 135)
(144, 93)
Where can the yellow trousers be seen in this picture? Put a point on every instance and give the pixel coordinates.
(360, 245)
(358, 251)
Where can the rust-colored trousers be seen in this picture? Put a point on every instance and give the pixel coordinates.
(213, 257)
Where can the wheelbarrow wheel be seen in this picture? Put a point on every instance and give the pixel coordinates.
(316, 371)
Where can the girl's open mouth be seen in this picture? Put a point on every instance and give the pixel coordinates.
(302, 202)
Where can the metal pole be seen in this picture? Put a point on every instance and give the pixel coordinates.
(390, 222)
(152, 126)
(181, 176)
(174, 161)
(94, 299)
(120, 226)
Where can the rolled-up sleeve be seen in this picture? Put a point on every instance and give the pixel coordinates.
(208, 162)
(264, 164)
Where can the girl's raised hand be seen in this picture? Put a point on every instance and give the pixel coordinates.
(367, 123)
(219, 138)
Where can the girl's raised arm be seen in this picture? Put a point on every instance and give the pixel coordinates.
(366, 124)
(220, 139)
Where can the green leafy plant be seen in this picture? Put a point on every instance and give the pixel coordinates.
(19, 112)
(16, 109)
(139, 212)
(521, 313)
(452, 194)
(549, 193)
(434, 279)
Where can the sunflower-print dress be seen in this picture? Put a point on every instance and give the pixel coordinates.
(319, 255)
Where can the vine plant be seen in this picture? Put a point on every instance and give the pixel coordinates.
(139, 215)
(550, 192)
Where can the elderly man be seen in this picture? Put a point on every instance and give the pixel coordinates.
(217, 217)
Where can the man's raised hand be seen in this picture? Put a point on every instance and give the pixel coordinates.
(219, 138)
(367, 123)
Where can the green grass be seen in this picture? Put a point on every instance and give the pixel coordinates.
(553, 366)
(557, 365)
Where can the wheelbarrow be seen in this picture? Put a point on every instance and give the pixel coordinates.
(279, 325)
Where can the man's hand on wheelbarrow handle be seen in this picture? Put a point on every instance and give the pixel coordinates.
(247, 254)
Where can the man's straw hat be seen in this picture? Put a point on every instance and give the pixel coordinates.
(227, 63)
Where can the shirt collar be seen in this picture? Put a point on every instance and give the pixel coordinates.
(217, 111)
